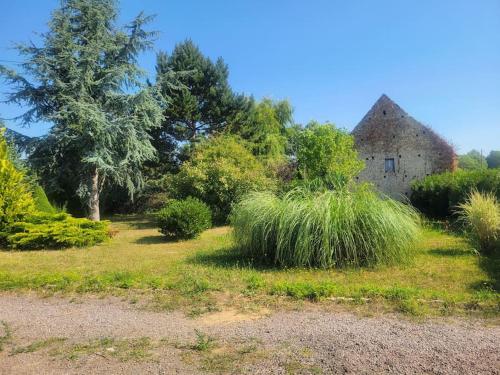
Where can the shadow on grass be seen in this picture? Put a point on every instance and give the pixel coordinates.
(228, 258)
(451, 252)
(491, 264)
(135, 221)
(38, 250)
(152, 240)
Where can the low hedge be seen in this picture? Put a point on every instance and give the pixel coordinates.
(439, 195)
(54, 231)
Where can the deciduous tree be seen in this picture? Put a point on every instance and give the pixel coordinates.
(472, 160)
(322, 150)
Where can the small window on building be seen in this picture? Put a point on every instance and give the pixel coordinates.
(384, 112)
(389, 165)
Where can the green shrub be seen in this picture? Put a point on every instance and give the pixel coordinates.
(42, 203)
(219, 173)
(325, 228)
(55, 231)
(323, 150)
(16, 200)
(439, 195)
(184, 219)
(481, 214)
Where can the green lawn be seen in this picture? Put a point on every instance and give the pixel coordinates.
(204, 274)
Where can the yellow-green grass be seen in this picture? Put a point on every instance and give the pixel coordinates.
(446, 276)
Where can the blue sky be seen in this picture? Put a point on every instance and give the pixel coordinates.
(440, 60)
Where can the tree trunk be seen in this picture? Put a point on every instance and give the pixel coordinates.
(94, 214)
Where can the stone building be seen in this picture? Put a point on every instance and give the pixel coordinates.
(397, 149)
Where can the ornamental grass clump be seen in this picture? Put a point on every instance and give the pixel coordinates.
(325, 229)
(481, 215)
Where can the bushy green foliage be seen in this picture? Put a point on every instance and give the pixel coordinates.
(220, 171)
(265, 129)
(481, 214)
(54, 231)
(493, 159)
(438, 195)
(325, 228)
(472, 160)
(42, 203)
(15, 197)
(184, 219)
(322, 150)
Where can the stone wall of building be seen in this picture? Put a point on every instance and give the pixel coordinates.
(387, 132)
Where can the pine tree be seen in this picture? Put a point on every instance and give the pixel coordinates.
(85, 80)
(201, 99)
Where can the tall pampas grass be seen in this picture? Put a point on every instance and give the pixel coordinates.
(481, 214)
(329, 228)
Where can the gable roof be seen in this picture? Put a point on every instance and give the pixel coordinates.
(385, 112)
(386, 121)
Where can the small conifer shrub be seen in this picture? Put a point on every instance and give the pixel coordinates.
(16, 200)
(55, 231)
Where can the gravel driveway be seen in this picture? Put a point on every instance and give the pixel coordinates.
(109, 336)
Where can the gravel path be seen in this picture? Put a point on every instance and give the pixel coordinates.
(32, 332)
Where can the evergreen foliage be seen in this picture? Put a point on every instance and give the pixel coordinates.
(201, 101)
(42, 203)
(325, 228)
(81, 79)
(438, 195)
(15, 197)
(54, 231)
(184, 219)
(493, 159)
(220, 171)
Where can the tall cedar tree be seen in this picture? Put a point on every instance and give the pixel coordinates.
(201, 101)
(85, 80)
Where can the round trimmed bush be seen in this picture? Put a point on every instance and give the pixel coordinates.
(325, 228)
(184, 219)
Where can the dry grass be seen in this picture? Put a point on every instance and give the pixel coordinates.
(481, 213)
(201, 274)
